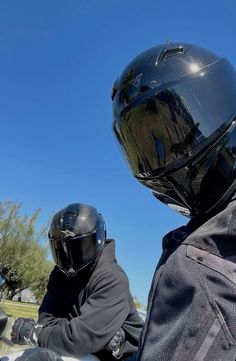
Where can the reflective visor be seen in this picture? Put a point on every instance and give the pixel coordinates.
(164, 127)
(74, 253)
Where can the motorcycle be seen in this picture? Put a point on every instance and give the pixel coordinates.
(14, 355)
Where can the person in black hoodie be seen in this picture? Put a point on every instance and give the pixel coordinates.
(88, 307)
(174, 109)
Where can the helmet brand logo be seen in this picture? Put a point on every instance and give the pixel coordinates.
(67, 233)
(136, 81)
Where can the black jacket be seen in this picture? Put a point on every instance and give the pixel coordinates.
(192, 301)
(82, 315)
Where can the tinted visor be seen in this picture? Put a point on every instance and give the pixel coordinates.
(73, 254)
(161, 129)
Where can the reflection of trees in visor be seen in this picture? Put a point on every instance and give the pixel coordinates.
(154, 137)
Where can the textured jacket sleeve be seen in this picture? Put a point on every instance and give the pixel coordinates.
(99, 318)
(192, 311)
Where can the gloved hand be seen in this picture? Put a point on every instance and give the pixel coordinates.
(116, 343)
(25, 331)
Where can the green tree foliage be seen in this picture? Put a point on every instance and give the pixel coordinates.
(38, 286)
(138, 304)
(22, 256)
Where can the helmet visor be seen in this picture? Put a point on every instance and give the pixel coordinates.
(73, 254)
(164, 127)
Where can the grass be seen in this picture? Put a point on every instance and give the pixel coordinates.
(14, 310)
(20, 309)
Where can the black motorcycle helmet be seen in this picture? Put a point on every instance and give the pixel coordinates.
(77, 236)
(174, 110)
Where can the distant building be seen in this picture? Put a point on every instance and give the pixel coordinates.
(25, 296)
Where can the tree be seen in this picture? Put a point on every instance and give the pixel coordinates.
(138, 304)
(39, 284)
(22, 257)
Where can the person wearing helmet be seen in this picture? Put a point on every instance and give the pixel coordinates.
(88, 308)
(174, 109)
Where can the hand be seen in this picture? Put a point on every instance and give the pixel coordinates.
(22, 329)
(116, 343)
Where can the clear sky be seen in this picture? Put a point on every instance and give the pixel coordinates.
(58, 62)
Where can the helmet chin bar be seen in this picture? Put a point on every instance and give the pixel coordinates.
(72, 272)
(202, 185)
(185, 211)
(226, 197)
(182, 210)
(88, 267)
(68, 273)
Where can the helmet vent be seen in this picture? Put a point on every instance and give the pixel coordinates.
(170, 52)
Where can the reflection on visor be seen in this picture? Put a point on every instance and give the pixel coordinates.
(167, 127)
(74, 253)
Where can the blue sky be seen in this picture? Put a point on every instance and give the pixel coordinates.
(58, 62)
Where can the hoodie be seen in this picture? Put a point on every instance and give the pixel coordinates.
(80, 316)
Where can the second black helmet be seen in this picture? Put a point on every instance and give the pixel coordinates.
(77, 237)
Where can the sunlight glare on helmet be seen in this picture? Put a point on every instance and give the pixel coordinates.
(194, 67)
